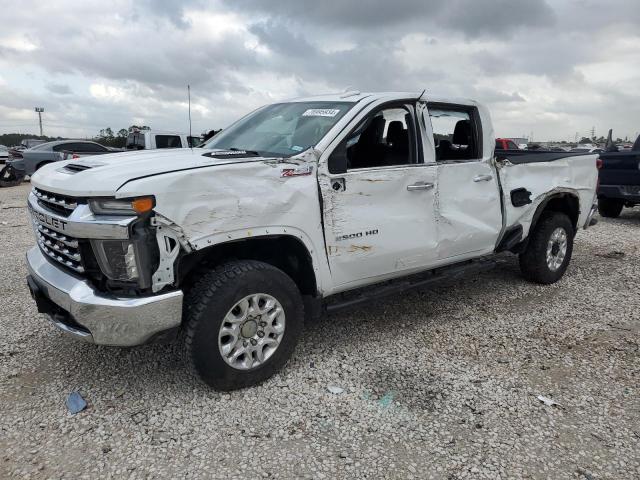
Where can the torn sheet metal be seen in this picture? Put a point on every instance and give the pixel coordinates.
(574, 174)
(241, 200)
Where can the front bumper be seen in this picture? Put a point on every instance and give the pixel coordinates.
(85, 314)
(18, 165)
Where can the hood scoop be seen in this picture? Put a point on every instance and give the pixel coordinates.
(74, 168)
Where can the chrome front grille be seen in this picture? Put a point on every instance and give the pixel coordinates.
(61, 248)
(60, 204)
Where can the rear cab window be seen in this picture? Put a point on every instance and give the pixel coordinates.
(168, 141)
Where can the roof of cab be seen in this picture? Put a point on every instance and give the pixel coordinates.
(355, 96)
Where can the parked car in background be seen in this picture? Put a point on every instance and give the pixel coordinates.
(506, 144)
(619, 181)
(523, 143)
(152, 139)
(4, 154)
(587, 149)
(31, 142)
(26, 162)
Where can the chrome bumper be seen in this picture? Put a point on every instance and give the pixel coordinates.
(104, 320)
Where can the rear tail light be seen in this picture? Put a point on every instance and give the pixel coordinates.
(598, 163)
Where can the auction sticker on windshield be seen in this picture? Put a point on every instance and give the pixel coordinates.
(321, 112)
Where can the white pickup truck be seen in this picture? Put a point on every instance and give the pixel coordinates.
(300, 207)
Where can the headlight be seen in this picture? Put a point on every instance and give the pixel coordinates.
(118, 259)
(111, 206)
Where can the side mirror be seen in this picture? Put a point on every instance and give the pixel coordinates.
(338, 159)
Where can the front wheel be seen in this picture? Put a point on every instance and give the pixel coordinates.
(610, 208)
(548, 253)
(243, 321)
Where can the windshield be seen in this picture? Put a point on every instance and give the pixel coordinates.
(282, 129)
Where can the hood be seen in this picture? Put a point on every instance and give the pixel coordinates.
(103, 175)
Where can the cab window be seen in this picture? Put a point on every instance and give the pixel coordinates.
(384, 139)
(454, 133)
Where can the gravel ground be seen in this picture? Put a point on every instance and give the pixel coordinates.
(437, 384)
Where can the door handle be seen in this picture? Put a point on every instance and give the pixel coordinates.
(420, 186)
(483, 178)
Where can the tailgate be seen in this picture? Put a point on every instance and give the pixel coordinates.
(620, 168)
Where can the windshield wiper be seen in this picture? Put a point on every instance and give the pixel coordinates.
(250, 152)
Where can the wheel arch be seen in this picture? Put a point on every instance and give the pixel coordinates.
(287, 252)
(567, 202)
(564, 202)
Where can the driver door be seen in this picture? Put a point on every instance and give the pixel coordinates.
(378, 208)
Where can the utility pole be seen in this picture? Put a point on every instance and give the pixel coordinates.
(189, 97)
(39, 111)
(593, 133)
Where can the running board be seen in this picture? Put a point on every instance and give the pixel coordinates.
(350, 299)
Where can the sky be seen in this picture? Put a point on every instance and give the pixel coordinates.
(553, 69)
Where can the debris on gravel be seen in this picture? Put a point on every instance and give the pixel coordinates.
(438, 383)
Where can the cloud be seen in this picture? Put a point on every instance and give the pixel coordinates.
(471, 17)
(59, 88)
(549, 67)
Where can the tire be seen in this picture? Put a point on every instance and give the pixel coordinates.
(9, 177)
(547, 239)
(220, 294)
(609, 208)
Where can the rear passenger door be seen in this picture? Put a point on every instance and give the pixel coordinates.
(378, 209)
(468, 205)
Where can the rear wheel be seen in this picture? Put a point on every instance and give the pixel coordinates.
(9, 177)
(549, 250)
(609, 208)
(243, 321)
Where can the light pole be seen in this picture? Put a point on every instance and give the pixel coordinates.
(39, 111)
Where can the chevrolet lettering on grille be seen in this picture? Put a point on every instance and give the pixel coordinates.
(52, 222)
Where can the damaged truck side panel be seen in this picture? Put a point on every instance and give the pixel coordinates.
(295, 206)
(256, 199)
(542, 180)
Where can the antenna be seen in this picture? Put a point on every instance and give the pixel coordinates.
(420, 96)
(189, 97)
